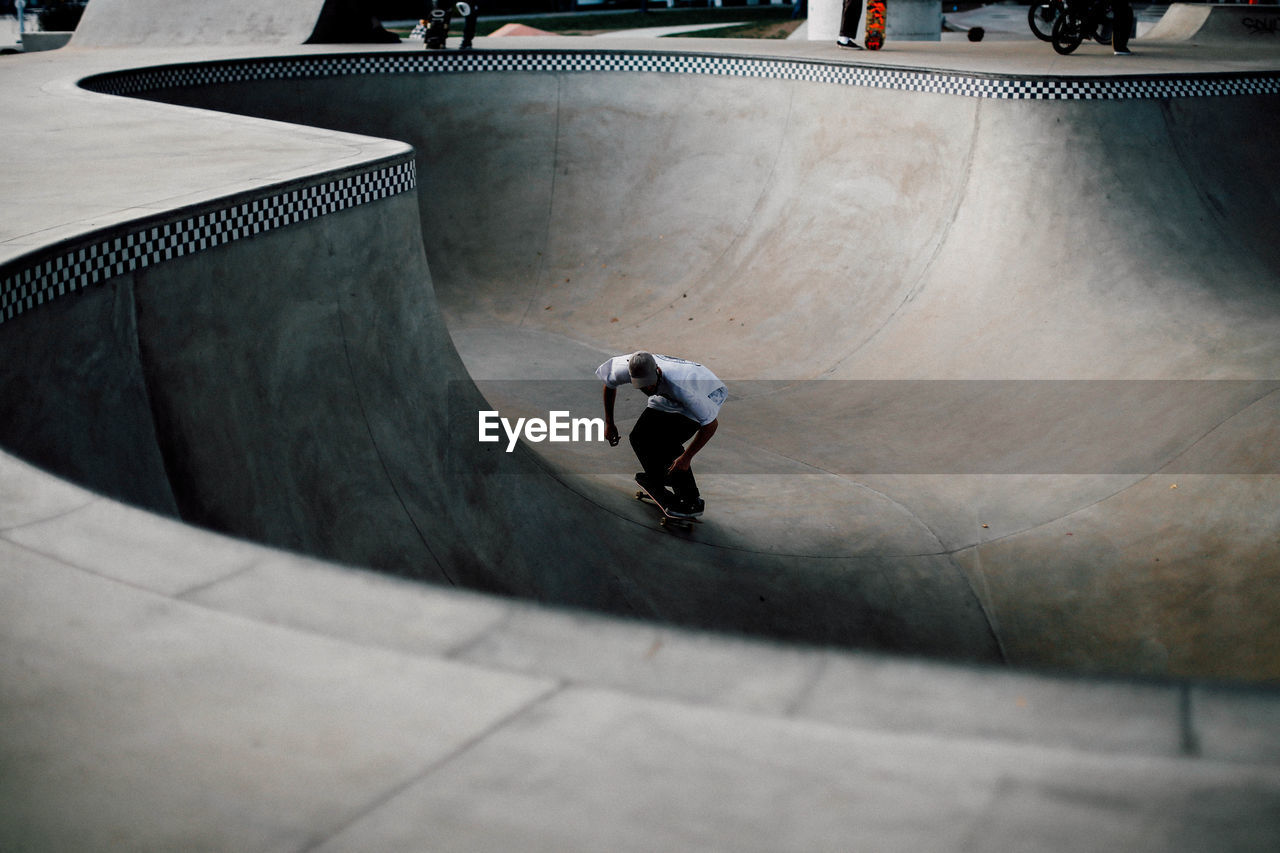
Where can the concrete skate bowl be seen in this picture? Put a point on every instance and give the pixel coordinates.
(1002, 353)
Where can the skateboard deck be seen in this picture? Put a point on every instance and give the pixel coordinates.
(667, 520)
(874, 39)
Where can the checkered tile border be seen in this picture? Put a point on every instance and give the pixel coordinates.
(142, 81)
(41, 277)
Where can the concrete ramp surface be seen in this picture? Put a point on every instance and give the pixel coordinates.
(153, 23)
(1214, 24)
(1003, 371)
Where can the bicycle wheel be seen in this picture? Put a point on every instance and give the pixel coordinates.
(1041, 19)
(1102, 34)
(1067, 33)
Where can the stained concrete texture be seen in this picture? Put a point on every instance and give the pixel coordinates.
(163, 687)
(142, 23)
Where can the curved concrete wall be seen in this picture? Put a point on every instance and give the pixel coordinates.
(903, 245)
(1219, 24)
(112, 23)
(150, 23)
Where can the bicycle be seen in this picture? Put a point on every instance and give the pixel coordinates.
(1042, 17)
(1082, 19)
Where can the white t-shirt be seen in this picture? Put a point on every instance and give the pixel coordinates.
(686, 387)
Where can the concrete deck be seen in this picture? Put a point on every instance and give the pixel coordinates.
(165, 687)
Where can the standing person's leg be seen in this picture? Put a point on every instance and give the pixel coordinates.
(851, 22)
(1122, 26)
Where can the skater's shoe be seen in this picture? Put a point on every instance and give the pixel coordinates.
(686, 507)
(659, 492)
(845, 41)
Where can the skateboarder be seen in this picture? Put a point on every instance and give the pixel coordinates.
(684, 403)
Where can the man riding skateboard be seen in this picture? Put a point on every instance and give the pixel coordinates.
(684, 403)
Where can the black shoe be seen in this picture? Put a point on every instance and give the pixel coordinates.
(661, 494)
(845, 41)
(687, 507)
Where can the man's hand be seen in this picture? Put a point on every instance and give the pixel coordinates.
(700, 439)
(610, 428)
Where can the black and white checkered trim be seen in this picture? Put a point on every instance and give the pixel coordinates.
(45, 275)
(35, 279)
(142, 81)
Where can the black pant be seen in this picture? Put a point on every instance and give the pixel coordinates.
(658, 438)
(1123, 24)
(850, 17)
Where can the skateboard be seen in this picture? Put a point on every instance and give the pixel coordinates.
(667, 520)
(875, 25)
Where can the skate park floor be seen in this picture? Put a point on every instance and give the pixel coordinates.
(162, 687)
